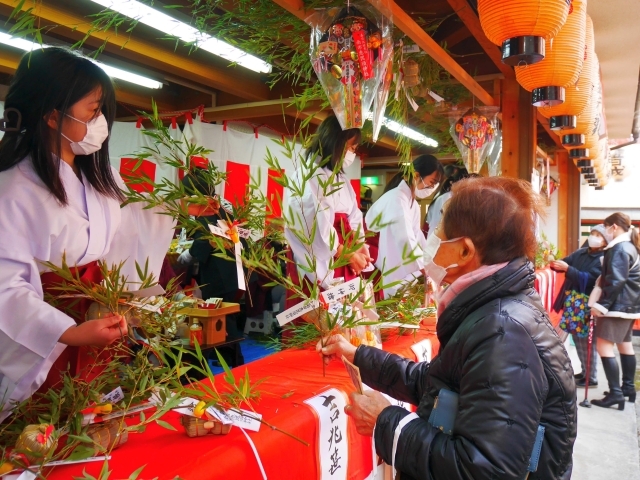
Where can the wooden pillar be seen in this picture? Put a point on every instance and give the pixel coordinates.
(564, 166)
(568, 204)
(519, 131)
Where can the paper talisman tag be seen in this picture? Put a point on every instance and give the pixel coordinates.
(343, 290)
(422, 350)
(218, 231)
(340, 311)
(186, 406)
(297, 311)
(114, 396)
(354, 374)
(239, 269)
(241, 418)
(367, 312)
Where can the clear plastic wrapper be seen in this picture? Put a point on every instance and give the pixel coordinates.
(350, 51)
(474, 135)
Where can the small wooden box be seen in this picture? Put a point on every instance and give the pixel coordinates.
(214, 321)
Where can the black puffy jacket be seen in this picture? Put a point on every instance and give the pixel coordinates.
(501, 354)
(620, 281)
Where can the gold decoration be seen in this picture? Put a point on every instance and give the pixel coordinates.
(36, 441)
(107, 435)
(197, 427)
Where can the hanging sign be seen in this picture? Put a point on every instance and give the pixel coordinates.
(333, 445)
(422, 350)
(338, 293)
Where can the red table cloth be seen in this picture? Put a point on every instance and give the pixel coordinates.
(548, 284)
(168, 454)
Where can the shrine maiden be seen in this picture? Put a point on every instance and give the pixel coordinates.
(60, 198)
(396, 217)
(334, 210)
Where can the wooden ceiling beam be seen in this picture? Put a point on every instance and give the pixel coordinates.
(472, 22)
(415, 32)
(405, 23)
(150, 55)
(456, 37)
(9, 62)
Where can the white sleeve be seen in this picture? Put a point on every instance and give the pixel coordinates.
(405, 235)
(302, 213)
(420, 240)
(29, 327)
(143, 234)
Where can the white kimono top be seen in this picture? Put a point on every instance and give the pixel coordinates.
(35, 227)
(434, 215)
(399, 228)
(302, 213)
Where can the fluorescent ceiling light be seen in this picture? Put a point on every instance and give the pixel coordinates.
(113, 72)
(409, 132)
(171, 26)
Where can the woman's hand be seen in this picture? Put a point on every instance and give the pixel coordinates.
(335, 347)
(365, 410)
(96, 333)
(596, 313)
(559, 265)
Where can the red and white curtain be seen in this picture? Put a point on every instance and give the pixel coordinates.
(240, 154)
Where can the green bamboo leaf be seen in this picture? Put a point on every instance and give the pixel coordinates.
(228, 377)
(136, 474)
(166, 425)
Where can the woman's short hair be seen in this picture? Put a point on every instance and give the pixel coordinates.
(498, 214)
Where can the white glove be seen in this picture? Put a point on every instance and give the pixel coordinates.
(185, 258)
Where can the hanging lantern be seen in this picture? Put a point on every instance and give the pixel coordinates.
(565, 115)
(587, 122)
(562, 64)
(521, 27)
(474, 134)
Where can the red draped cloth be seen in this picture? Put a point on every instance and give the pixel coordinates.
(290, 377)
(76, 360)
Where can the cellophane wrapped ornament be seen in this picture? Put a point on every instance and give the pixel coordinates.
(474, 134)
(350, 52)
(494, 155)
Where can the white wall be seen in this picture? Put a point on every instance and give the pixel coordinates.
(617, 196)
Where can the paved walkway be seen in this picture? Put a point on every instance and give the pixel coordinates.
(607, 443)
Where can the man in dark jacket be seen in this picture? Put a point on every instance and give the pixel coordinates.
(498, 352)
(582, 268)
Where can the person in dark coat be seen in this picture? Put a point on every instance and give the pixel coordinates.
(582, 268)
(498, 351)
(617, 308)
(217, 277)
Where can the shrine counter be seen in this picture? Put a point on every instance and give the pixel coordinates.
(292, 377)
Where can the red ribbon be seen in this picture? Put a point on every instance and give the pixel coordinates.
(360, 42)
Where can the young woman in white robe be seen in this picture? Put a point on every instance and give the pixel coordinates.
(396, 218)
(325, 213)
(59, 197)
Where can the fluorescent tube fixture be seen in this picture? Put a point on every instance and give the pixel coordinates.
(113, 72)
(171, 26)
(409, 133)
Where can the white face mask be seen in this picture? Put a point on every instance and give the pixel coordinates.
(349, 158)
(595, 241)
(97, 133)
(422, 193)
(608, 231)
(432, 269)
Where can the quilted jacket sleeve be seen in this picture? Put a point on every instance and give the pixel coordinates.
(392, 374)
(502, 391)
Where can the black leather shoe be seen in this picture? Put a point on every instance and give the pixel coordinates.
(583, 383)
(610, 400)
(578, 376)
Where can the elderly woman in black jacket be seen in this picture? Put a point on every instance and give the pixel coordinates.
(617, 308)
(498, 351)
(581, 268)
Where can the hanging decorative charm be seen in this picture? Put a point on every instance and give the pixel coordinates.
(474, 134)
(350, 51)
(494, 153)
(562, 64)
(521, 27)
(380, 100)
